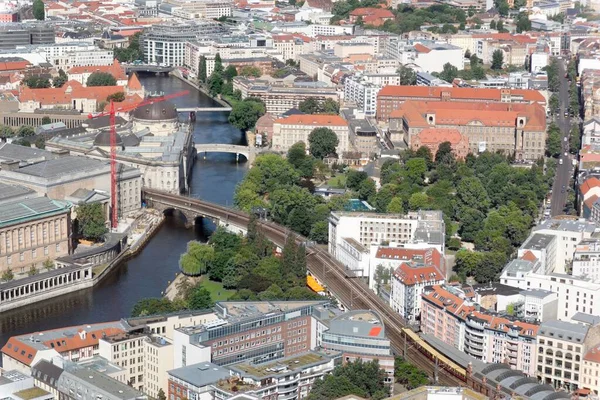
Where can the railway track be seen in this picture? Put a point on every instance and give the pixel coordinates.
(351, 291)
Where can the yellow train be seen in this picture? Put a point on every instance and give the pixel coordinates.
(444, 363)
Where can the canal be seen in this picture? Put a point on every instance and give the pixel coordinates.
(213, 179)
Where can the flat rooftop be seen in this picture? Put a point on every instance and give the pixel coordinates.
(281, 366)
(31, 393)
(20, 211)
(538, 241)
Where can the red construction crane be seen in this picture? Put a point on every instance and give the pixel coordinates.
(114, 218)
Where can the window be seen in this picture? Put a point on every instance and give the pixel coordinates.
(45, 250)
(57, 247)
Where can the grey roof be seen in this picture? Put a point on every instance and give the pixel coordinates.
(540, 293)
(63, 166)
(14, 192)
(27, 209)
(495, 289)
(103, 122)
(563, 330)
(15, 152)
(157, 111)
(538, 241)
(104, 383)
(451, 352)
(571, 225)
(587, 319)
(518, 265)
(46, 372)
(358, 323)
(202, 374)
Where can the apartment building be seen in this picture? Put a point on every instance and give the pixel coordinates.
(19, 34)
(280, 97)
(447, 315)
(297, 128)
(518, 129)
(291, 45)
(205, 9)
(158, 360)
(362, 93)
(560, 351)
(427, 55)
(536, 305)
(586, 260)
(127, 351)
(418, 269)
(33, 230)
(390, 98)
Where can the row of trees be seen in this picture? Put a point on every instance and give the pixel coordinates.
(190, 297)
(42, 82)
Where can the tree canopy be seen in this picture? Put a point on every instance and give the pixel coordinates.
(364, 379)
(245, 113)
(37, 82)
(322, 142)
(314, 106)
(91, 221)
(101, 79)
(38, 10)
(197, 259)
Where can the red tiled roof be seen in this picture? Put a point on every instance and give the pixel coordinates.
(134, 83)
(79, 340)
(589, 184)
(428, 256)
(425, 92)
(440, 135)
(410, 273)
(115, 70)
(593, 354)
(529, 256)
(372, 12)
(70, 90)
(421, 49)
(589, 203)
(20, 351)
(14, 65)
(313, 119)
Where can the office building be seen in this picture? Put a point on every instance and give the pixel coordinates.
(165, 44)
(390, 98)
(518, 129)
(362, 93)
(17, 34)
(586, 260)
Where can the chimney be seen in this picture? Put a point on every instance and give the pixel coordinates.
(9, 165)
(61, 153)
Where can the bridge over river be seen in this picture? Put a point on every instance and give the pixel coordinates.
(247, 151)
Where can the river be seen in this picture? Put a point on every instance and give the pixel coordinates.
(146, 275)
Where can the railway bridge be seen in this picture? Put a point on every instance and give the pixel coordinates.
(352, 293)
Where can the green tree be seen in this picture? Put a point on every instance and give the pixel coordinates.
(396, 206)
(8, 275)
(230, 73)
(500, 26)
(161, 395)
(467, 262)
(196, 261)
(574, 139)
(36, 82)
(200, 299)
(152, 306)
(25, 131)
(553, 141)
(330, 106)
(202, 70)
(364, 379)
(249, 70)
(215, 83)
(319, 232)
(309, 106)
(116, 97)
(48, 264)
(101, 79)
(322, 142)
(218, 68)
(6, 131)
(33, 270)
(408, 76)
(497, 59)
(409, 375)
(91, 221)
(367, 189)
(522, 22)
(414, 170)
(449, 73)
(60, 80)
(418, 201)
(46, 120)
(493, 24)
(354, 178)
(470, 192)
(245, 113)
(38, 10)
(553, 102)
(40, 142)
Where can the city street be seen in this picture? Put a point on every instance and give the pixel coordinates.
(563, 172)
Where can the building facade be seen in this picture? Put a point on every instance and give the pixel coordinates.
(297, 128)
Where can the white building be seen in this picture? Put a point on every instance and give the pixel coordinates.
(537, 305)
(568, 232)
(355, 257)
(538, 61)
(362, 93)
(417, 269)
(586, 260)
(425, 55)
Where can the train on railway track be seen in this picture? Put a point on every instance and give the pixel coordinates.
(443, 363)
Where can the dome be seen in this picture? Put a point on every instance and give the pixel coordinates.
(103, 139)
(159, 111)
(131, 140)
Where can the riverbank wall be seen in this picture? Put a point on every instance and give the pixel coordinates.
(177, 74)
(73, 277)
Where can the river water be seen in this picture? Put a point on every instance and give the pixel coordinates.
(146, 275)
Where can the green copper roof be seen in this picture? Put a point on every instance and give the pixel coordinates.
(25, 210)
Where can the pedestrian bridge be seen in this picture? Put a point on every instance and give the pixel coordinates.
(203, 109)
(246, 151)
(147, 68)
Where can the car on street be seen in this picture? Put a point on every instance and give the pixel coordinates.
(566, 154)
(563, 190)
(560, 162)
